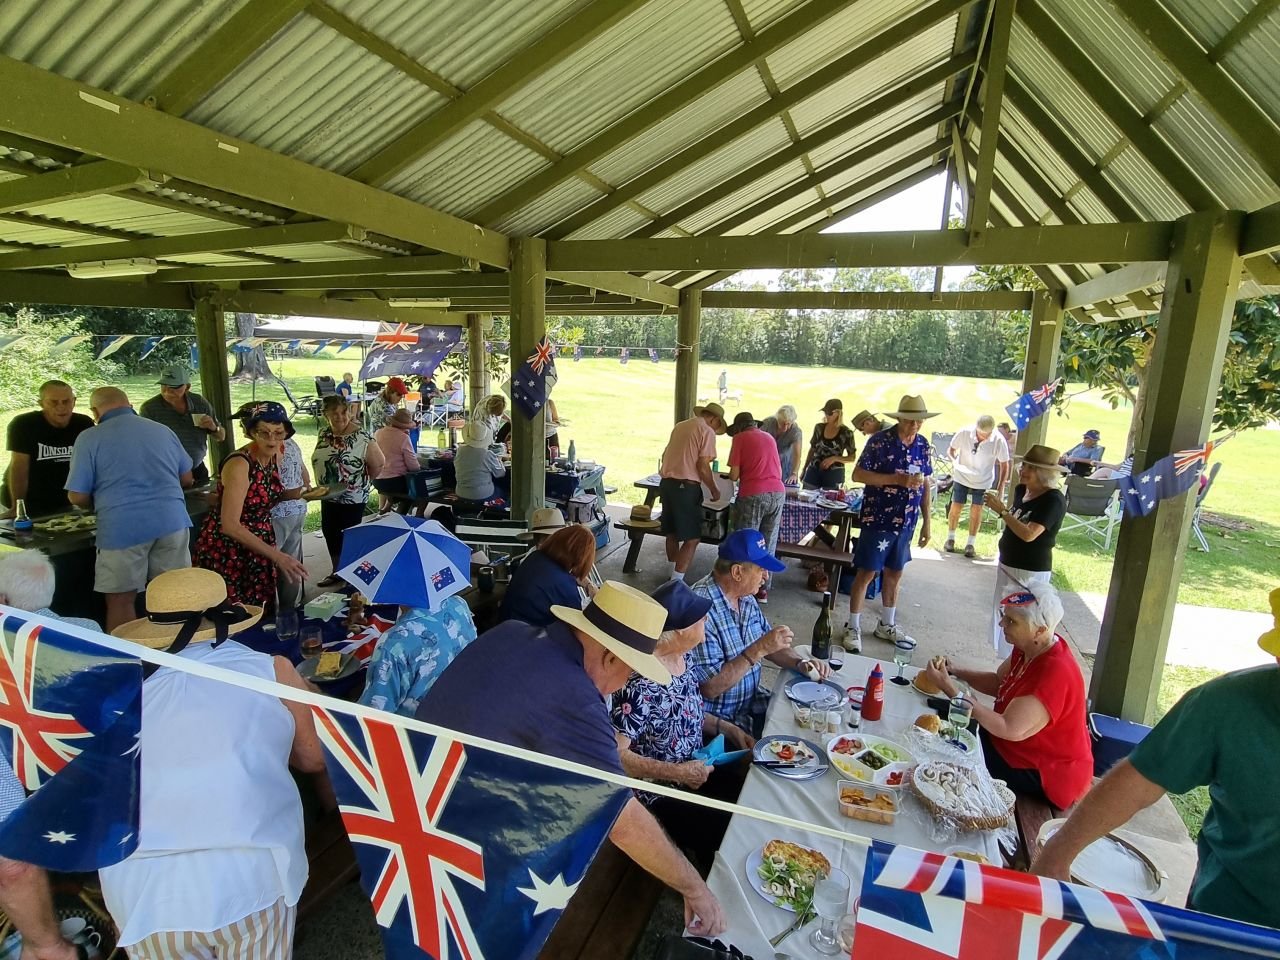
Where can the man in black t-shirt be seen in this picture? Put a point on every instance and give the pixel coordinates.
(39, 445)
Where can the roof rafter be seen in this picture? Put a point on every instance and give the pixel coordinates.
(1116, 284)
(59, 289)
(624, 284)
(44, 106)
(869, 300)
(664, 105)
(221, 52)
(435, 263)
(256, 301)
(555, 46)
(69, 183)
(864, 114)
(997, 61)
(1162, 157)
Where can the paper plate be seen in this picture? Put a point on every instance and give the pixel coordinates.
(1112, 863)
(307, 669)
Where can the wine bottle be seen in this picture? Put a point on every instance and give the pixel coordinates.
(573, 454)
(821, 647)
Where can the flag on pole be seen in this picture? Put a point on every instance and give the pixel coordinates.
(1032, 404)
(464, 852)
(577, 352)
(393, 354)
(624, 356)
(653, 355)
(70, 717)
(534, 379)
(112, 344)
(63, 344)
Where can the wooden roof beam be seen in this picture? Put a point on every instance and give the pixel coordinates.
(992, 100)
(70, 183)
(435, 263)
(868, 300)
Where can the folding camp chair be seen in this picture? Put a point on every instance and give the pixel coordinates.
(1094, 507)
(502, 536)
(1195, 516)
(436, 414)
(310, 406)
(325, 387)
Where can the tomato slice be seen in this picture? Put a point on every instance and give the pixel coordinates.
(786, 752)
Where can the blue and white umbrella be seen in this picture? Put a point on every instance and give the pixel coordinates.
(404, 560)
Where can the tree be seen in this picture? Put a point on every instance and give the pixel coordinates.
(251, 364)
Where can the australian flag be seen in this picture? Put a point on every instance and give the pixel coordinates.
(532, 382)
(926, 906)
(442, 578)
(1166, 478)
(402, 349)
(463, 852)
(70, 717)
(1032, 404)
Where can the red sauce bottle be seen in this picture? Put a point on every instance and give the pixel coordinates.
(873, 699)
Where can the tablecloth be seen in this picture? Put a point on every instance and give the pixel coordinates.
(752, 919)
(799, 517)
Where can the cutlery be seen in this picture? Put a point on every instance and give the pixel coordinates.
(796, 925)
(776, 764)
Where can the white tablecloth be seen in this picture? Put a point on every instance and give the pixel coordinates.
(754, 920)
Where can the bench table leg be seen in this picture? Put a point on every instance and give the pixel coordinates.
(633, 553)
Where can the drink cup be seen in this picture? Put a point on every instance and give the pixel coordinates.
(196, 419)
(484, 579)
(803, 714)
(311, 645)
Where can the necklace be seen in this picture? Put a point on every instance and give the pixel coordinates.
(1015, 674)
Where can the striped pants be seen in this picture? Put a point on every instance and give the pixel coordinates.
(265, 935)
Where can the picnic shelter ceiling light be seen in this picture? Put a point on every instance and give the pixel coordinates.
(132, 267)
(435, 303)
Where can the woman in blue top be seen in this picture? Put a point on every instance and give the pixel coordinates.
(550, 576)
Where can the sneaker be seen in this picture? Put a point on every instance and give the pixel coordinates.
(851, 639)
(970, 552)
(762, 595)
(950, 545)
(889, 632)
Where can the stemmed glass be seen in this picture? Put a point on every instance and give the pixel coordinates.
(830, 903)
(903, 648)
(959, 715)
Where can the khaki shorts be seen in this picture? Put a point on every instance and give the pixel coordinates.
(130, 569)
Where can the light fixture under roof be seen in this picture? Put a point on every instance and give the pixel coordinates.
(132, 267)
(435, 303)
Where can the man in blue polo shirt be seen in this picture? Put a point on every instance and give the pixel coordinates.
(131, 471)
(894, 466)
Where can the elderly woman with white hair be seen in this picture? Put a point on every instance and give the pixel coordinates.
(27, 582)
(1030, 531)
(789, 437)
(476, 464)
(1035, 736)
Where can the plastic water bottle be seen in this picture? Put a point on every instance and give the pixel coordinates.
(441, 442)
(573, 454)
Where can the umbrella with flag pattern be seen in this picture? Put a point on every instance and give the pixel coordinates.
(404, 560)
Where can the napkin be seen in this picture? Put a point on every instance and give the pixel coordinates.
(714, 754)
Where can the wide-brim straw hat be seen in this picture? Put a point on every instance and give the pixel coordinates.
(642, 516)
(545, 520)
(716, 411)
(1270, 641)
(625, 622)
(1046, 458)
(911, 408)
(179, 597)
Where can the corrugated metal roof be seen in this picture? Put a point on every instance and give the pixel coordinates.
(548, 209)
(748, 195)
(1251, 63)
(837, 35)
(761, 13)
(123, 213)
(1017, 130)
(616, 223)
(881, 126)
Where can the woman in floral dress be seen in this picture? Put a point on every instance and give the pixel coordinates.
(237, 539)
(345, 460)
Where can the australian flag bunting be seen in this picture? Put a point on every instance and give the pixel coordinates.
(926, 906)
(463, 852)
(70, 717)
(1166, 478)
(402, 349)
(1032, 404)
(533, 380)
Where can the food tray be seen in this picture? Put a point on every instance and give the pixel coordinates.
(990, 795)
(870, 815)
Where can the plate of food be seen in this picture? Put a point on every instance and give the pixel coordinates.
(871, 759)
(328, 667)
(922, 684)
(960, 738)
(801, 689)
(796, 759)
(831, 504)
(785, 873)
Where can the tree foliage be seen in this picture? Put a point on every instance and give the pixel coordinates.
(29, 361)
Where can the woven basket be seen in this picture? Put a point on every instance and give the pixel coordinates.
(961, 820)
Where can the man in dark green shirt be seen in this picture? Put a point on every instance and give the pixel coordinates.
(1224, 735)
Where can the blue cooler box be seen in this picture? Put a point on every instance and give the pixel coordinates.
(1113, 740)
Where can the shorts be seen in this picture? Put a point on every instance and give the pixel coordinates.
(962, 494)
(815, 478)
(264, 935)
(130, 569)
(681, 508)
(884, 549)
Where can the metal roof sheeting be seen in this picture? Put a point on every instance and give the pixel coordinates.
(837, 35)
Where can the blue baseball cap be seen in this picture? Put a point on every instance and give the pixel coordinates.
(684, 607)
(748, 546)
(1092, 435)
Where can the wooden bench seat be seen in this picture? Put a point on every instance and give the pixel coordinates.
(815, 552)
(332, 862)
(608, 913)
(1030, 815)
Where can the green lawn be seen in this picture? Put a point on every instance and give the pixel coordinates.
(621, 415)
(1191, 806)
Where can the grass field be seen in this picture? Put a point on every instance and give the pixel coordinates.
(621, 416)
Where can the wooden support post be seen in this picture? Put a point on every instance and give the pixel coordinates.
(528, 323)
(215, 382)
(477, 370)
(1186, 368)
(688, 333)
(1043, 341)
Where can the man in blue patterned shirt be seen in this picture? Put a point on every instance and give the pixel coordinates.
(414, 653)
(894, 466)
(726, 665)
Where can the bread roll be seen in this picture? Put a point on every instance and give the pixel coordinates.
(930, 722)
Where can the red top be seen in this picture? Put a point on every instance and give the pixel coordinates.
(755, 454)
(1061, 751)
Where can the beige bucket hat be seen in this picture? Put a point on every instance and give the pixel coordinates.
(911, 408)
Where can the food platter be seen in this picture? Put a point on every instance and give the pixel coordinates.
(66, 523)
(792, 877)
(801, 689)
(965, 795)
(307, 669)
(871, 759)
(810, 760)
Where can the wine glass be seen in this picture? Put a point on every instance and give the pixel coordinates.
(960, 713)
(903, 648)
(830, 903)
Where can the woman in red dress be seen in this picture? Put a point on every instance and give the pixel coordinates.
(237, 539)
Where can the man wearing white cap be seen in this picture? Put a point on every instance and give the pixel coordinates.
(557, 708)
(979, 462)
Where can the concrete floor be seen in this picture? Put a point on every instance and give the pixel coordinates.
(945, 604)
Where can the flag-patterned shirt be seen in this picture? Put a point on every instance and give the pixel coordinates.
(897, 507)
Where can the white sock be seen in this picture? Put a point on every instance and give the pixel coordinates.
(889, 616)
(677, 574)
(972, 538)
(673, 569)
(951, 534)
(855, 621)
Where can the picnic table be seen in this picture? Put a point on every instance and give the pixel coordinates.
(754, 920)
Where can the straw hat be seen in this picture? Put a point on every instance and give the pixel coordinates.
(911, 408)
(1270, 641)
(1046, 458)
(625, 622)
(716, 411)
(190, 598)
(642, 516)
(545, 521)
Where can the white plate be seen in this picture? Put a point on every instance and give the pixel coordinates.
(754, 859)
(1110, 863)
(803, 690)
(848, 764)
(831, 504)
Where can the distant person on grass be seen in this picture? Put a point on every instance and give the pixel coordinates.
(979, 462)
(685, 471)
